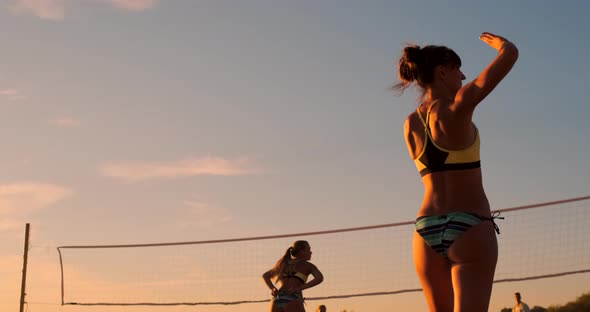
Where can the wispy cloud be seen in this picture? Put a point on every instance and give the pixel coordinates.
(9, 224)
(183, 168)
(133, 5)
(45, 9)
(65, 122)
(205, 215)
(9, 92)
(22, 199)
(12, 94)
(55, 9)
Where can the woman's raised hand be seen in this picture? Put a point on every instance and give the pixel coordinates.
(494, 41)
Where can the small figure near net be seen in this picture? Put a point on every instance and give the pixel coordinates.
(290, 275)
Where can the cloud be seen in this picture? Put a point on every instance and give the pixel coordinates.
(183, 168)
(55, 9)
(12, 94)
(9, 92)
(44, 9)
(9, 224)
(64, 122)
(22, 199)
(133, 5)
(205, 215)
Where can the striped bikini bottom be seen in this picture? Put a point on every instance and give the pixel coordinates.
(439, 232)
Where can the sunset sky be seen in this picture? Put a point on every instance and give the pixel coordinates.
(139, 121)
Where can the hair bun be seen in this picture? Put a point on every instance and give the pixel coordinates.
(408, 65)
(412, 54)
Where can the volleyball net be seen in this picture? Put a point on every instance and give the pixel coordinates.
(536, 241)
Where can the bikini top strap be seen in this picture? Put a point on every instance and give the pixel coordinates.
(422, 119)
(426, 121)
(429, 109)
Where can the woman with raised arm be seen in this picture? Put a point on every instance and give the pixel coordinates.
(455, 246)
(291, 273)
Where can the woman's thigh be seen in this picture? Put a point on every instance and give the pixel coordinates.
(434, 272)
(474, 255)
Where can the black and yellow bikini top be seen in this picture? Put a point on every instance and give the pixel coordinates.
(291, 272)
(434, 158)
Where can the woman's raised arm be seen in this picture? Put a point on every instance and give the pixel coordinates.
(474, 92)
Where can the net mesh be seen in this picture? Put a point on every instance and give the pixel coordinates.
(536, 241)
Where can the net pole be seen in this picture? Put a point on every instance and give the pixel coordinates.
(61, 267)
(25, 259)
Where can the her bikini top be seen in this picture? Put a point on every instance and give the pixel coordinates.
(298, 275)
(434, 158)
(291, 272)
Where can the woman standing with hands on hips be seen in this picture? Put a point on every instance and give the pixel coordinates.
(455, 246)
(291, 273)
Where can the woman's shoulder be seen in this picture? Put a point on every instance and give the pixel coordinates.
(412, 118)
(412, 122)
(310, 266)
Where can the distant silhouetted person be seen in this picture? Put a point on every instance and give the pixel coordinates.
(455, 245)
(321, 308)
(291, 272)
(520, 306)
